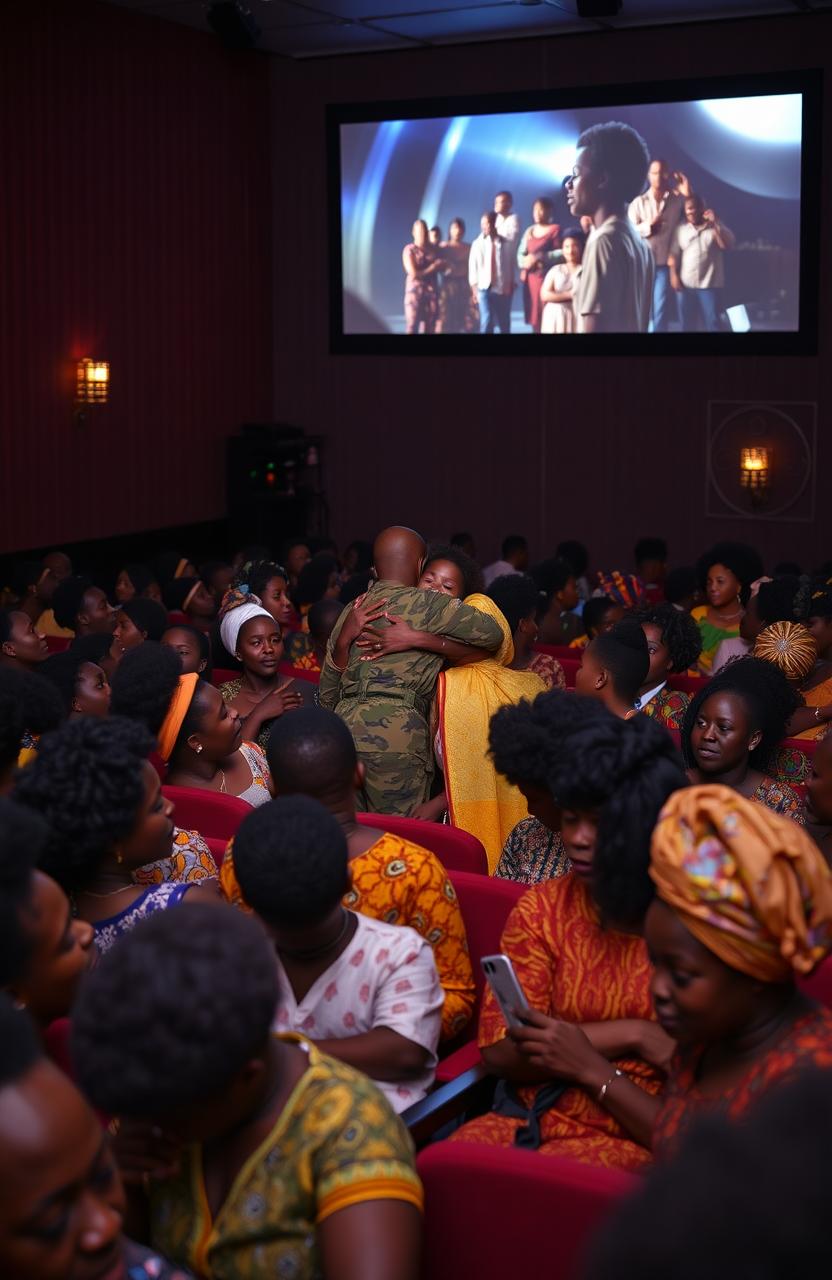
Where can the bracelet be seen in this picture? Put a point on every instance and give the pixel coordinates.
(602, 1092)
(817, 714)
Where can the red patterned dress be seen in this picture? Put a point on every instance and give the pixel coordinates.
(668, 707)
(807, 1043)
(571, 968)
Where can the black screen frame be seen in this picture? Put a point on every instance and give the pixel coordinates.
(802, 341)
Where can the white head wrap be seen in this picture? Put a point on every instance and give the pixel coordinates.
(236, 618)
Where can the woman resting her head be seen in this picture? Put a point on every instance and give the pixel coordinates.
(743, 909)
(137, 620)
(201, 740)
(576, 947)
(726, 573)
(92, 782)
(260, 694)
(289, 1162)
(732, 727)
(63, 1205)
(21, 646)
(82, 684)
(44, 951)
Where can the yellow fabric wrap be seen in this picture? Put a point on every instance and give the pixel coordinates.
(479, 799)
(749, 884)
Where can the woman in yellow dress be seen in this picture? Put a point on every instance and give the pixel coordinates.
(726, 573)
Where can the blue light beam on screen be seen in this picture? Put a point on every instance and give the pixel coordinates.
(777, 118)
(358, 243)
(435, 185)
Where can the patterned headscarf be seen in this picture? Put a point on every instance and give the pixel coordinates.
(624, 588)
(748, 884)
(790, 646)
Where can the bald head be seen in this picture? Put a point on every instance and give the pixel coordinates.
(398, 555)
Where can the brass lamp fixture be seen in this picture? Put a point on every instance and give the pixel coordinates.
(93, 381)
(755, 463)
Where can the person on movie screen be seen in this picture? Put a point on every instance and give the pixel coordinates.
(457, 309)
(697, 266)
(557, 291)
(421, 294)
(656, 215)
(490, 275)
(539, 250)
(615, 287)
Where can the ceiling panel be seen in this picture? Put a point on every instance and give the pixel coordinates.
(319, 28)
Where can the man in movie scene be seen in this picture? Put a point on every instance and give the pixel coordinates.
(697, 266)
(615, 288)
(490, 275)
(656, 216)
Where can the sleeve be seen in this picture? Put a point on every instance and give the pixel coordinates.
(522, 250)
(727, 235)
(638, 218)
(435, 914)
(595, 276)
(446, 617)
(524, 943)
(508, 868)
(409, 999)
(365, 1153)
(511, 227)
(329, 687)
(472, 264)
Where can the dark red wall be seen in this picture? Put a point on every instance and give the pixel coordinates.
(135, 227)
(606, 449)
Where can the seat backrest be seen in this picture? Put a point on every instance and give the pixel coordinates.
(819, 984)
(214, 816)
(559, 651)
(686, 684)
(57, 644)
(544, 1211)
(485, 904)
(457, 850)
(223, 675)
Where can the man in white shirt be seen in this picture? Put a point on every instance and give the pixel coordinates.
(656, 215)
(490, 274)
(515, 559)
(615, 287)
(697, 269)
(364, 991)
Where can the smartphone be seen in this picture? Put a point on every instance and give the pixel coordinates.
(501, 978)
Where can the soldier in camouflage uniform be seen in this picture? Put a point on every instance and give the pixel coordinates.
(385, 702)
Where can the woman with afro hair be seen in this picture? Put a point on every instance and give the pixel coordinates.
(582, 1071)
(731, 730)
(726, 573)
(92, 782)
(674, 643)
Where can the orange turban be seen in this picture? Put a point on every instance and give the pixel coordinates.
(748, 884)
(183, 696)
(790, 646)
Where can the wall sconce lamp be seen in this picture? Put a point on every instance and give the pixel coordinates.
(754, 471)
(93, 382)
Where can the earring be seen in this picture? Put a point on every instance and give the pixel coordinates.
(198, 748)
(119, 857)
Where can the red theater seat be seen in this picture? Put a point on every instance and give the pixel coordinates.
(687, 684)
(223, 675)
(457, 850)
(543, 1211)
(57, 644)
(214, 816)
(819, 985)
(485, 904)
(559, 651)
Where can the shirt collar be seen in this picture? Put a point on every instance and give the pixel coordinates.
(641, 703)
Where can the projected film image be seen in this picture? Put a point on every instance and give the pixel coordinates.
(679, 217)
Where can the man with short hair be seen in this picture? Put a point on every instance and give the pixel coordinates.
(514, 555)
(384, 698)
(656, 216)
(491, 275)
(615, 287)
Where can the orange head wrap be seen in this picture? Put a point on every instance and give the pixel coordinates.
(748, 884)
(183, 696)
(790, 646)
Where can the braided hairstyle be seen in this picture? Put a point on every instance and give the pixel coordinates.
(627, 769)
(86, 781)
(769, 699)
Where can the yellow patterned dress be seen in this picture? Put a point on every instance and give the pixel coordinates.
(401, 883)
(336, 1144)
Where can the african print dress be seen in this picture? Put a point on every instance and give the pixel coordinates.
(668, 707)
(532, 853)
(571, 968)
(779, 797)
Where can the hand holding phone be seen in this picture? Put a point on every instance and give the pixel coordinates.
(501, 978)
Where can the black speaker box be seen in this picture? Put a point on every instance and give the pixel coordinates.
(233, 24)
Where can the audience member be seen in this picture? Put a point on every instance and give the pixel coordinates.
(83, 685)
(137, 581)
(726, 573)
(650, 555)
(21, 646)
(291, 1162)
(101, 798)
(366, 991)
(518, 599)
(190, 598)
(577, 557)
(80, 608)
(732, 727)
(681, 588)
(295, 555)
(743, 908)
(260, 694)
(615, 287)
(193, 648)
(172, 565)
(137, 620)
(201, 740)
(614, 667)
(514, 558)
(31, 706)
(674, 643)
(599, 616)
(321, 619)
(556, 579)
(576, 947)
(39, 589)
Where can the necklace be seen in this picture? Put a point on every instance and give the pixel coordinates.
(315, 952)
(222, 783)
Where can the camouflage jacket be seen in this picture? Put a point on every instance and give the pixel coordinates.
(413, 672)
